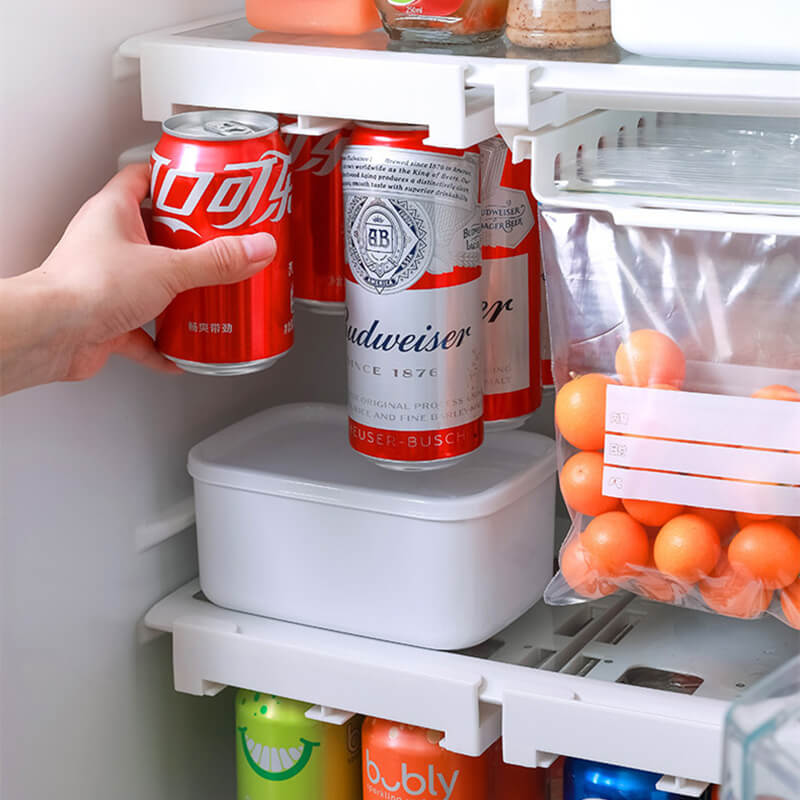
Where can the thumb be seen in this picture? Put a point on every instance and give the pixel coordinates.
(228, 259)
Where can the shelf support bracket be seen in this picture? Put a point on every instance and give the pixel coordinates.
(682, 786)
(210, 653)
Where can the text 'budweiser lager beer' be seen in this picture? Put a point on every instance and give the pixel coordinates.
(404, 762)
(413, 318)
(512, 289)
(283, 755)
(318, 220)
(217, 173)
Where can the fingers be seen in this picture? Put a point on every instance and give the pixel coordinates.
(138, 346)
(228, 259)
(133, 180)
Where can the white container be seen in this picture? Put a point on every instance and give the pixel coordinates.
(292, 524)
(765, 32)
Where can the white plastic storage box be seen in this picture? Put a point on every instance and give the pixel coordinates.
(766, 32)
(292, 524)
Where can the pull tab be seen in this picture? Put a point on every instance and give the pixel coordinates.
(227, 127)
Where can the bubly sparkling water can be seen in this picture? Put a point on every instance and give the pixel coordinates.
(512, 289)
(413, 316)
(587, 780)
(217, 173)
(282, 755)
(404, 762)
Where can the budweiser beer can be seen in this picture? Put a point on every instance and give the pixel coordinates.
(404, 762)
(217, 173)
(512, 289)
(318, 220)
(413, 317)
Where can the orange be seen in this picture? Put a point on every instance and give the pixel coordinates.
(663, 386)
(734, 592)
(723, 521)
(615, 541)
(744, 519)
(777, 392)
(790, 603)
(769, 550)
(582, 485)
(687, 548)
(650, 357)
(579, 574)
(793, 523)
(654, 585)
(581, 411)
(651, 512)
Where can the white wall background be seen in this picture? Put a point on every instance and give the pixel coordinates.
(86, 712)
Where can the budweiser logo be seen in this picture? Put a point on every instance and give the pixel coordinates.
(430, 340)
(491, 311)
(241, 195)
(389, 242)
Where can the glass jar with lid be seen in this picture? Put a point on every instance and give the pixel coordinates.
(559, 24)
(443, 21)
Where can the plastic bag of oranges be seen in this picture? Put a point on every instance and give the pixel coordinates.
(676, 357)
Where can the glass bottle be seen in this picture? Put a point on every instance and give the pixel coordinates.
(559, 24)
(443, 21)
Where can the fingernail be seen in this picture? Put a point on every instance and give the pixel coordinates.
(259, 246)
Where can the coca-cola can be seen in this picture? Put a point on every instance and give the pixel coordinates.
(512, 289)
(413, 317)
(217, 173)
(318, 220)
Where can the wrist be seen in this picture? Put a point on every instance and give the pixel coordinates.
(39, 329)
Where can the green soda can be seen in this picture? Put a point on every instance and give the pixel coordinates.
(282, 755)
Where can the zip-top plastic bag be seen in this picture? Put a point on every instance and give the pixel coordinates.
(676, 357)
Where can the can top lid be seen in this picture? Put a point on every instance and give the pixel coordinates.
(301, 451)
(390, 126)
(220, 125)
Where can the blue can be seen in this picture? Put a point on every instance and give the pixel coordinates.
(587, 780)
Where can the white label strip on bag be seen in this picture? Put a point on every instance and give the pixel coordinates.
(707, 450)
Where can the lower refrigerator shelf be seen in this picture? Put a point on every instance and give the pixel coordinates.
(620, 680)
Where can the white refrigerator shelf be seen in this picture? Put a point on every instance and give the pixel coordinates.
(620, 680)
(461, 95)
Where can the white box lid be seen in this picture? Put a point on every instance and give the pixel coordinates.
(301, 451)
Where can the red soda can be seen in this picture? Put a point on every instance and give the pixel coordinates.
(318, 220)
(404, 762)
(413, 316)
(510, 782)
(217, 173)
(512, 289)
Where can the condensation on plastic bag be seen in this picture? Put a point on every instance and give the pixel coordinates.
(731, 302)
(701, 158)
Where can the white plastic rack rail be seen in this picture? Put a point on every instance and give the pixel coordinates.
(224, 62)
(547, 106)
(616, 679)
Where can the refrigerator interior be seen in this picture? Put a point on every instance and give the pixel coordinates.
(93, 478)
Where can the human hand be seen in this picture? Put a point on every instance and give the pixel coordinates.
(101, 283)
